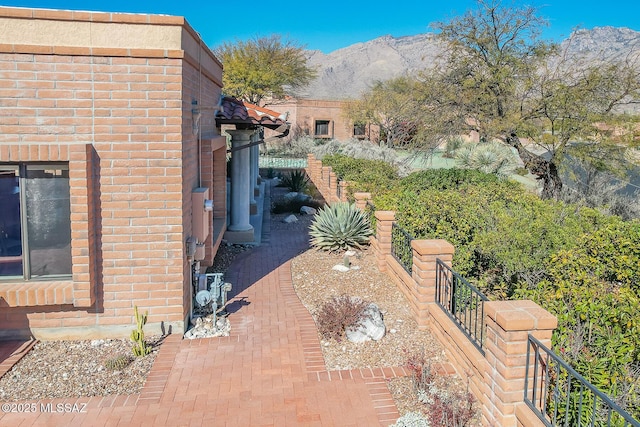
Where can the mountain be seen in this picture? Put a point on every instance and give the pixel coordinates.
(347, 72)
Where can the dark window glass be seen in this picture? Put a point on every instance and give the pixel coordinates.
(48, 221)
(322, 127)
(358, 129)
(35, 220)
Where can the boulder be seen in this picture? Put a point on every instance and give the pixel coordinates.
(371, 328)
(308, 210)
(291, 218)
(297, 196)
(341, 267)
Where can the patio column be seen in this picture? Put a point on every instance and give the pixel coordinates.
(240, 229)
(253, 174)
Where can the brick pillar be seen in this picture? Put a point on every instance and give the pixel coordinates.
(310, 170)
(326, 183)
(333, 186)
(425, 253)
(361, 200)
(509, 324)
(384, 222)
(343, 190)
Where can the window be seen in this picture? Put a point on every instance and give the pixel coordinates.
(359, 129)
(322, 127)
(35, 221)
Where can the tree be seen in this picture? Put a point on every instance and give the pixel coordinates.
(498, 78)
(263, 67)
(397, 106)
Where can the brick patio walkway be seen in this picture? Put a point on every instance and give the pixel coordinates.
(269, 372)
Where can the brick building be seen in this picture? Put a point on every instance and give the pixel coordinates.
(323, 119)
(108, 149)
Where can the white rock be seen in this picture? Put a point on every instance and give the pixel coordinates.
(340, 267)
(308, 210)
(291, 218)
(350, 253)
(96, 343)
(355, 267)
(371, 328)
(393, 331)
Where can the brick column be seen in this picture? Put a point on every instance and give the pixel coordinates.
(384, 222)
(326, 183)
(343, 190)
(333, 186)
(425, 253)
(509, 324)
(361, 200)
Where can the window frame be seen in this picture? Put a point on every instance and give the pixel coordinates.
(328, 122)
(23, 175)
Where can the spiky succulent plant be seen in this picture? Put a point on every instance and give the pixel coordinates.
(340, 226)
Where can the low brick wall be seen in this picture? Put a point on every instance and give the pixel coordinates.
(496, 378)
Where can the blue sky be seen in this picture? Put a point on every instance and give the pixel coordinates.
(330, 25)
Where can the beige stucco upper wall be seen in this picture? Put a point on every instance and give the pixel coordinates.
(66, 28)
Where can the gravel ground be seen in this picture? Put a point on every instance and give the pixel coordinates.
(77, 368)
(59, 369)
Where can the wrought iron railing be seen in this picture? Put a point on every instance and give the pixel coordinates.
(560, 396)
(281, 162)
(401, 247)
(462, 302)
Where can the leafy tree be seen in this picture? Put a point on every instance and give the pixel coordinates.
(398, 106)
(498, 78)
(263, 67)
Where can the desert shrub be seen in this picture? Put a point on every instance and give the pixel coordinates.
(451, 146)
(338, 314)
(443, 408)
(340, 226)
(296, 181)
(491, 157)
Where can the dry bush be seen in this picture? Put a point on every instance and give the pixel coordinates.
(338, 314)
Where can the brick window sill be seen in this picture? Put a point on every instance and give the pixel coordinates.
(36, 293)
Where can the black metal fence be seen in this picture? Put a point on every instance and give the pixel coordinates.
(462, 302)
(560, 396)
(401, 247)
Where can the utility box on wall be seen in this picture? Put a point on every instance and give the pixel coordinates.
(201, 211)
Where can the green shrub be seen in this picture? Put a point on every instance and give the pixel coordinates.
(367, 175)
(340, 226)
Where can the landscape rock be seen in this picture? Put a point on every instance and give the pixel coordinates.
(371, 328)
(289, 197)
(341, 267)
(308, 210)
(291, 218)
(205, 328)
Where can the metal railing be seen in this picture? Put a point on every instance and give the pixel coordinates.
(281, 162)
(560, 396)
(462, 302)
(401, 247)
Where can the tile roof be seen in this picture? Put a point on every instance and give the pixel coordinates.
(236, 112)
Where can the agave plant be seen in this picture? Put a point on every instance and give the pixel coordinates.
(296, 181)
(489, 157)
(340, 226)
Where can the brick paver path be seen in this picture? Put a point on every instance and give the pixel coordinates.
(269, 372)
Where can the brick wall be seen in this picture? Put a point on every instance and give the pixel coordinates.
(122, 119)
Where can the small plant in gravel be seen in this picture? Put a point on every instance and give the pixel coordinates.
(339, 314)
(118, 363)
(140, 346)
(443, 408)
(340, 226)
